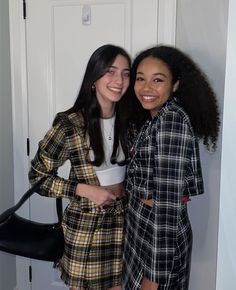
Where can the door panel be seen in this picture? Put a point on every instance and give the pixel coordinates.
(79, 45)
(58, 48)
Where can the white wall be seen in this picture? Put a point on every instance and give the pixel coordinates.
(202, 32)
(226, 272)
(7, 262)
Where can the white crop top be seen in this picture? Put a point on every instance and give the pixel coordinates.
(107, 173)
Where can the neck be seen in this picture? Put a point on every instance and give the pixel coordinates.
(108, 112)
(108, 115)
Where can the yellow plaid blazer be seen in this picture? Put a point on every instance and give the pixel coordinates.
(64, 141)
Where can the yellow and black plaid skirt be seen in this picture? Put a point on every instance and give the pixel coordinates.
(92, 256)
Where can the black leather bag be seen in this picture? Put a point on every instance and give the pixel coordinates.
(31, 239)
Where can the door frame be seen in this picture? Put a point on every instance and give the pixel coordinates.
(166, 28)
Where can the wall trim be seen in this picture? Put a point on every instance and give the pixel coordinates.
(19, 116)
(167, 22)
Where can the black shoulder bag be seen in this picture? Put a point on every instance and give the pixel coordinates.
(31, 239)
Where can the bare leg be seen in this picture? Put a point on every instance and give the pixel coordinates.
(148, 285)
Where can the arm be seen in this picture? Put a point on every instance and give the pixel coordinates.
(52, 153)
(172, 156)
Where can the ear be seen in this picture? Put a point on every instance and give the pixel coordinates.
(175, 86)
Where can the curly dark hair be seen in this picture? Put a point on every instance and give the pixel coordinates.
(194, 94)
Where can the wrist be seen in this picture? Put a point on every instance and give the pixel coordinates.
(81, 189)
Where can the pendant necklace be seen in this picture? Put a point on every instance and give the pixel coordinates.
(108, 128)
(108, 136)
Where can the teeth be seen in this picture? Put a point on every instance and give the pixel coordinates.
(148, 97)
(117, 90)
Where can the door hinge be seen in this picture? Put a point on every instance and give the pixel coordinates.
(24, 9)
(30, 274)
(28, 146)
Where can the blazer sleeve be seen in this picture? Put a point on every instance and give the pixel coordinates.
(172, 157)
(52, 153)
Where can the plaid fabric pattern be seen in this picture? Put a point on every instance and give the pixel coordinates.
(65, 141)
(165, 166)
(93, 235)
(92, 256)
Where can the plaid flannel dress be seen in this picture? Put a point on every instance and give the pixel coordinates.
(92, 256)
(164, 166)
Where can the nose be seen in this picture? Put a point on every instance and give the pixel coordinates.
(119, 78)
(147, 86)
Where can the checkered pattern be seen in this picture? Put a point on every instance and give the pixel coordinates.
(92, 256)
(93, 235)
(65, 141)
(164, 166)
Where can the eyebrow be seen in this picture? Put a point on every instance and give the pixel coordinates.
(155, 74)
(115, 67)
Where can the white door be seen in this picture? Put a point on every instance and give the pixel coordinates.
(59, 36)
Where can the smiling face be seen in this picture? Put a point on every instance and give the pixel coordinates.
(153, 85)
(112, 86)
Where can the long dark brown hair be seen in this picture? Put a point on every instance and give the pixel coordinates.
(87, 103)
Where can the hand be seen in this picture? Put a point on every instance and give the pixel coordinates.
(99, 195)
(117, 189)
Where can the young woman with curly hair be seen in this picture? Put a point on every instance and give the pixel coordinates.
(175, 107)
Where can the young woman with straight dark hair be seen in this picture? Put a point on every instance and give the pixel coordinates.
(92, 136)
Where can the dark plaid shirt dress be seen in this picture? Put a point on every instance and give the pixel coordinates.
(164, 166)
(92, 256)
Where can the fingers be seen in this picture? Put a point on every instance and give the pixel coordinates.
(116, 190)
(110, 198)
(103, 197)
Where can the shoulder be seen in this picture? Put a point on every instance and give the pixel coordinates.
(72, 121)
(172, 122)
(173, 110)
(65, 126)
(173, 115)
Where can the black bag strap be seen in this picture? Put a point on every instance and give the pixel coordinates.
(59, 209)
(27, 195)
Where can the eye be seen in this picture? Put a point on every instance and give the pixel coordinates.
(110, 71)
(126, 74)
(139, 79)
(158, 80)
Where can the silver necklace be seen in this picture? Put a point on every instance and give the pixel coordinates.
(108, 128)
